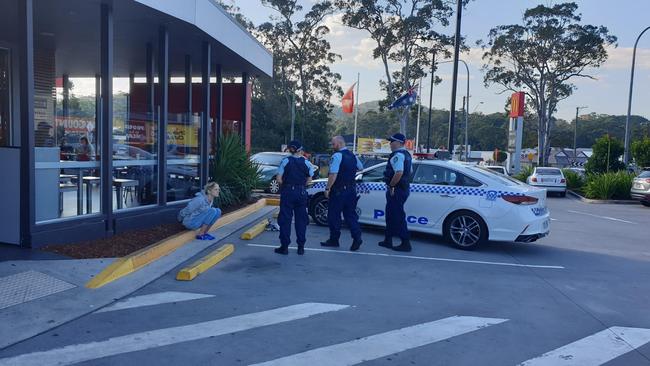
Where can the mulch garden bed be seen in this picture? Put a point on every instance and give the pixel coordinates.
(127, 242)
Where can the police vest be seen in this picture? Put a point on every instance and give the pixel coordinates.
(390, 172)
(296, 172)
(347, 171)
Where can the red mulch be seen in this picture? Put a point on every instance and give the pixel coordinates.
(125, 243)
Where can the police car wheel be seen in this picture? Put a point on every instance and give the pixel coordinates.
(319, 210)
(274, 186)
(466, 230)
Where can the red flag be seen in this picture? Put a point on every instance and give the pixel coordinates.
(348, 100)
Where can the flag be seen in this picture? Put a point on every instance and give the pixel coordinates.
(348, 100)
(406, 99)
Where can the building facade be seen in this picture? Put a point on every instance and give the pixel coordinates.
(111, 111)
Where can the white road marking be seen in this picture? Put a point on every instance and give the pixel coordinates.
(163, 337)
(596, 349)
(416, 257)
(552, 219)
(153, 299)
(384, 344)
(602, 217)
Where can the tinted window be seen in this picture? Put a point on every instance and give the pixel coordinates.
(433, 174)
(268, 159)
(645, 174)
(547, 171)
(374, 175)
(500, 178)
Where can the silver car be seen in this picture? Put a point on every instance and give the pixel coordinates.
(550, 178)
(641, 188)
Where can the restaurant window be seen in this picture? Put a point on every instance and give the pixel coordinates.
(5, 98)
(66, 124)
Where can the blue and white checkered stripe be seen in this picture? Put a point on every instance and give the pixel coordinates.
(429, 188)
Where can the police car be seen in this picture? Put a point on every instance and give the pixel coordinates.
(466, 204)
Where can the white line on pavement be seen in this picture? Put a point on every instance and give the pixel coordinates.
(384, 344)
(602, 217)
(596, 349)
(552, 219)
(422, 258)
(163, 337)
(153, 299)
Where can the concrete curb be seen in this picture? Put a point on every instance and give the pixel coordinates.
(135, 261)
(190, 272)
(588, 200)
(255, 230)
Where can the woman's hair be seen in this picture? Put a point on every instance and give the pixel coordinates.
(208, 187)
(84, 138)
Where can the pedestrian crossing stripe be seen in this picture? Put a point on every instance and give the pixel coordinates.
(430, 188)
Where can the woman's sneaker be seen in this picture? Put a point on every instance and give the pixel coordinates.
(209, 237)
(202, 237)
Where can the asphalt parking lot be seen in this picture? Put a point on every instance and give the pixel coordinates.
(577, 297)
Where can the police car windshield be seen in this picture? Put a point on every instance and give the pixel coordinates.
(494, 176)
(268, 159)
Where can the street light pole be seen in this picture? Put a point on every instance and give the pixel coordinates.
(626, 154)
(466, 96)
(433, 69)
(452, 108)
(575, 134)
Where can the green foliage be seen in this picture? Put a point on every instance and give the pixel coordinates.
(523, 175)
(605, 158)
(609, 186)
(549, 38)
(573, 180)
(234, 171)
(501, 156)
(641, 152)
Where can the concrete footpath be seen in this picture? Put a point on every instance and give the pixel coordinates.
(39, 295)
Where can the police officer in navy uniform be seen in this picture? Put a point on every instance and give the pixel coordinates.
(341, 192)
(294, 174)
(397, 177)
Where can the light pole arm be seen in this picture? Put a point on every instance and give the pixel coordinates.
(626, 155)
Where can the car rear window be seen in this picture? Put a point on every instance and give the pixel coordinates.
(548, 171)
(500, 178)
(645, 174)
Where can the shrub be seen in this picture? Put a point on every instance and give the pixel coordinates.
(641, 152)
(606, 154)
(608, 186)
(234, 171)
(573, 179)
(524, 173)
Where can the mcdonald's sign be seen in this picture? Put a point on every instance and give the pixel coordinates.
(517, 105)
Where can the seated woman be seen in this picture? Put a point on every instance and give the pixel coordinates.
(199, 213)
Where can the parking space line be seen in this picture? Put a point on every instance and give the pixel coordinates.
(384, 344)
(418, 257)
(595, 349)
(154, 299)
(602, 217)
(76, 353)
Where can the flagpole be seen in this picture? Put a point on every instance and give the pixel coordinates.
(356, 116)
(417, 128)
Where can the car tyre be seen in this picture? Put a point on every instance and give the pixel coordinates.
(465, 230)
(645, 203)
(318, 210)
(562, 194)
(274, 186)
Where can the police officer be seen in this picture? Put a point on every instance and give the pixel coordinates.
(293, 175)
(341, 192)
(397, 177)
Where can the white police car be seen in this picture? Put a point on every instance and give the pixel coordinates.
(466, 204)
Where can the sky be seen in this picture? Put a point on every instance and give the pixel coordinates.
(608, 94)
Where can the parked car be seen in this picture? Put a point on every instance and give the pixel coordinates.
(641, 187)
(466, 204)
(497, 168)
(580, 171)
(268, 163)
(550, 178)
(371, 160)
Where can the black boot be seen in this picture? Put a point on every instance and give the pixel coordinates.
(282, 250)
(301, 249)
(330, 243)
(355, 245)
(404, 247)
(387, 243)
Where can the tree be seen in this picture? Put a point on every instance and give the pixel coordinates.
(607, 152)
(542, 57)
(302, 59)
(641, 152)
(403, 31)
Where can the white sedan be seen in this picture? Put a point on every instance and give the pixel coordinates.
(552, 179)
(468, 205)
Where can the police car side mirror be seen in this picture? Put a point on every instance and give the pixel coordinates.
(359, 177)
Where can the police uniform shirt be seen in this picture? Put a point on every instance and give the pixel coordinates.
(335, 164)
(397, 162)
(285, 161)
